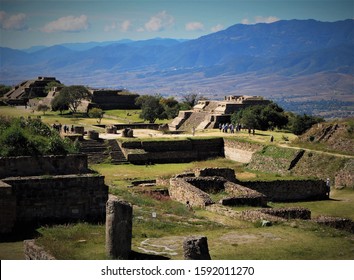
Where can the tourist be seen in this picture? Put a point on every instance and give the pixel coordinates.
(328, 187)
(193, 130)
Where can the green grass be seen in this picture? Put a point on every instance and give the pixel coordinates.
(341, 204)
(129, 116)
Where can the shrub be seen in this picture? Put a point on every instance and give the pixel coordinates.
(31, 137)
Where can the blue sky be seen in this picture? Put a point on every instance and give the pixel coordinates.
(48, 22)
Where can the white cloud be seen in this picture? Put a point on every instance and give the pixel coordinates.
(217, 28)
(159, 22)
(67, 24)
(260, 19)
(12, 22)
(124, 27)
(194, 26)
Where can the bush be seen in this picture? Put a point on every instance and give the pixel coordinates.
(31, 137)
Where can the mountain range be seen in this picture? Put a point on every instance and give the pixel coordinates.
(286, 60)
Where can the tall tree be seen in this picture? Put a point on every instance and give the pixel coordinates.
(151, 108)
(72, 97)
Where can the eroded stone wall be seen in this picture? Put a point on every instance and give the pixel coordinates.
(175, 151)
(43, 165)
(289, 190)
(34, 252)
(49, 189)
(240, 151)
(184, 192)
(59, 198)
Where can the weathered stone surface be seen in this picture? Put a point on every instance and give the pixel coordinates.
(184, 192)
(289, 212)
(35, 252)
(289, 190)
(92, 134)
(43, 165)
(49, 189)
(119, 223)
(207, 184)
(241, 195)
(336, 222)
(345, 177)
(196, 248)
(226, 173)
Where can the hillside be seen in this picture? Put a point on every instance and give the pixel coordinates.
(332, 136)
(287, 61)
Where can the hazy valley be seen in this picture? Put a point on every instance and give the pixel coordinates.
(306, 66)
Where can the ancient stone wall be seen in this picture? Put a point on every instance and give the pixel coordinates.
(336, 222)
(207, 184)
(43, 165)
(7, 208)
(34, 252)
(109, 99)
(240, 151)
(49, 189)
(227, 173)
(182, 191)
(59, 198)
(289, 190)
(240, 195)
(175, 151)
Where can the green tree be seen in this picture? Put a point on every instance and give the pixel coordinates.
(261, 117)
(171, 107)
(192, 99)
(52, 84)
(60, 103)
(300, 123)
(71, 97)
(151, 108)
(96, 113)
(4, 89)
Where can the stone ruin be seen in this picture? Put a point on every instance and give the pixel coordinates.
(196, 248)
(210, 113)
(49, 189)
(194, 189)
(27, 90)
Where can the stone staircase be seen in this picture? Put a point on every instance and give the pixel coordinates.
(99, 151)
(96, 150)
(117, 156)
(194, 120)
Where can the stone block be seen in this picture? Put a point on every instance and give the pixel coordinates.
(119, 223)
(196, 248)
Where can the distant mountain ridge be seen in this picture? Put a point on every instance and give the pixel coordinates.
(283, 50)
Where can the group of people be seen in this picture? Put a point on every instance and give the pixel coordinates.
(60, 128)
(226, 127)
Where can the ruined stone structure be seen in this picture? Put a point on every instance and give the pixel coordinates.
(196, 248)
(119, 224)
(34, 252)
(172, 151)
(26, 90)
(210, 113)
(49, 189)
(253, 193)
(108, 99)
(195, 190)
